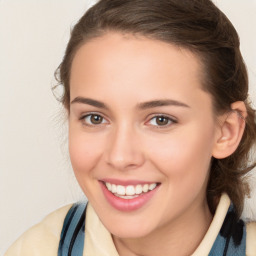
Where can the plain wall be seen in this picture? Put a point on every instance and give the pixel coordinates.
(35, 174)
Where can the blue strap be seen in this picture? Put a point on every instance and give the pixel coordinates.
(231, 240)
(73, 231)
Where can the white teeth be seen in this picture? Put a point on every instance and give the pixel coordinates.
(145, 188)
(127, 197)
(113, 188)
(130, 191)
(152, 186)
(138, 189)
(108, 185)
(120, 190)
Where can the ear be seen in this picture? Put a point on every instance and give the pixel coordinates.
(230, 131)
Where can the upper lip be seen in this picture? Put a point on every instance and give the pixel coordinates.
(126, 182)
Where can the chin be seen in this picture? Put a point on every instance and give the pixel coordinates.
(130, 230)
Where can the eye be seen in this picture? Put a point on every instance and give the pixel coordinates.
(93, 119)
(161, 120)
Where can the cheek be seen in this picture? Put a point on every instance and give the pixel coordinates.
(184, 155)
(84, 152)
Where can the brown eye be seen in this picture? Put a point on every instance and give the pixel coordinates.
(96, 119)
(161, 120)
(93, 119)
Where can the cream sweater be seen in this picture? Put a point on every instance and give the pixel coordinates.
(43, 238)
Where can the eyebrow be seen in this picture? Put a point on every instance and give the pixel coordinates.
(89, 101)
(161, 103)
(142, 106)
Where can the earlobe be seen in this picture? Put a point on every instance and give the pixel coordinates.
(230, 131)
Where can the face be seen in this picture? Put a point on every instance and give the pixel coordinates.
(141, 132)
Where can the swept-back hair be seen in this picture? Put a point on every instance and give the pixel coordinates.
(197, 25)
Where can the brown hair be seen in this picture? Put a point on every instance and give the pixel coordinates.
(197, 25)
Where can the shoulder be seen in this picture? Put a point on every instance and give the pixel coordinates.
(251, 239)
(43, 238)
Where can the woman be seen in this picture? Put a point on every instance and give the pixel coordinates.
(160, 129)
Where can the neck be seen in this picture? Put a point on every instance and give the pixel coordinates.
(178, 237)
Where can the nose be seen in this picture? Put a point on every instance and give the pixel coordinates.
(124, 149)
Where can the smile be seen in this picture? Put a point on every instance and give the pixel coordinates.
(130, 191)
(129, 196)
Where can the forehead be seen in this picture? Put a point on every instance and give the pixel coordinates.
(116, 48)
(129, 65)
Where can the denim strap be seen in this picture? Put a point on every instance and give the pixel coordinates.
(73, 231)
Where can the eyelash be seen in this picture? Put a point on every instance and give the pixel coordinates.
(83, 119)
(170, 120)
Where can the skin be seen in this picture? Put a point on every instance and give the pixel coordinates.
(123, 72)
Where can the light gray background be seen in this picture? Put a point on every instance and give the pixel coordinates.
(35, 174)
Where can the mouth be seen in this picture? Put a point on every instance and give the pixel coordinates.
(130, 191)
(129, 196)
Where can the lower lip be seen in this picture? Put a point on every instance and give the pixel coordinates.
(127, 205)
